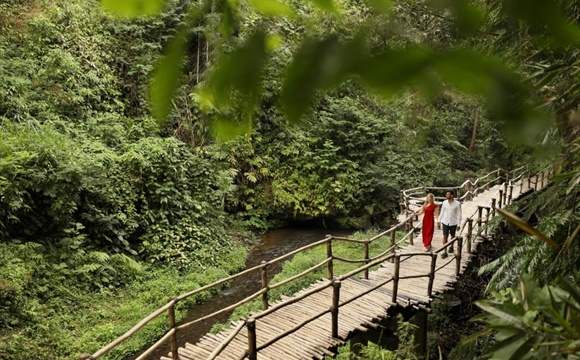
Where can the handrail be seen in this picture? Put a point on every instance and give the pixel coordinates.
(303, 273)
(222, 310)
(369, 262)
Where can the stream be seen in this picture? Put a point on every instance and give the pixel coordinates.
(272, 244)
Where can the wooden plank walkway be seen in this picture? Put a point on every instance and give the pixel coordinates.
(314, 339)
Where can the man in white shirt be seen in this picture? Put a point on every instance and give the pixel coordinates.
(450, 218)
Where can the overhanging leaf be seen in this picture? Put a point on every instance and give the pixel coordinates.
(500, 313)
(272, 7)
(521, 224)
(319, 65)
(239, 71)
(226, 129)
(165, 80)
(327, 5)
(133, 8)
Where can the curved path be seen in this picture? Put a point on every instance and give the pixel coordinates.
(314, 338)
(312, 322)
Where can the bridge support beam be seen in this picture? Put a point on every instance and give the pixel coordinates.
(458, 250)
(432, 274)
(329, 266)
(265, 300)
(334, 307)
(469, 234)
(173, 340)
(366, 272)
(252, 347)
(396, 278)
(479, 218)
(421, 320)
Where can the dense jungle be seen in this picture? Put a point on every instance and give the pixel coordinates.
(147, 146)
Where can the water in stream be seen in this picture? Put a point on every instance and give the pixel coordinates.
(271, 245)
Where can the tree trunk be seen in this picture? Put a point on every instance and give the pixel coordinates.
(474, 131)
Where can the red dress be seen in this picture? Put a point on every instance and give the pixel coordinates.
(428, 224)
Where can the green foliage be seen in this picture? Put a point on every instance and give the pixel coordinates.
(320, 62)
(535, 322)
(347, 161)
(75, 321)
(154, 197)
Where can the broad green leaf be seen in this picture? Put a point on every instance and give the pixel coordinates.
(394, 69)
(133, 8)
(499, 312)
(272, 7)
(381, 5)
(467, 71)
(239, 71)
(327, 5)
(545, 15)
(235, 82)
(230, 16)
(318, 65)
(165, 80)
(521, 224)
(225, 129)
(468, 17)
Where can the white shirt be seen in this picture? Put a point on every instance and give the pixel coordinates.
(450, 213)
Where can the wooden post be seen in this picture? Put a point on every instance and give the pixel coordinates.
(536, 182)
(505, 194)
(396, 278)
(265, 284)
(500, 202)
(469, 190)
(366, 273)
(393, 241)
(529, 182)
(171, 316)
(329, 265)
(505, 189)
(458, 255)
(421, 335)
(493, 201)
(412, 231)
(542, 182)
(334, 308)
(252, 347)
(469, 234)
(486, 220)
(479, 213)
(510, 196)
(402, 202)
(432, 274)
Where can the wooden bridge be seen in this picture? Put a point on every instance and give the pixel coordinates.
(317, 319)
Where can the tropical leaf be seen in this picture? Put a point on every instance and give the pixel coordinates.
(521, 224)
(133, 8)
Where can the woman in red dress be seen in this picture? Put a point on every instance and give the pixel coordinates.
(428, 210)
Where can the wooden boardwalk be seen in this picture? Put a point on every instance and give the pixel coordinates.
(314, 339)
(315, 320)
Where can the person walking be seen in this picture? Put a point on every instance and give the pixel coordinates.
(450, 218)
(428, 224)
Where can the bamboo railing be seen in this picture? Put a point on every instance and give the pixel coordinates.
(479, 229)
